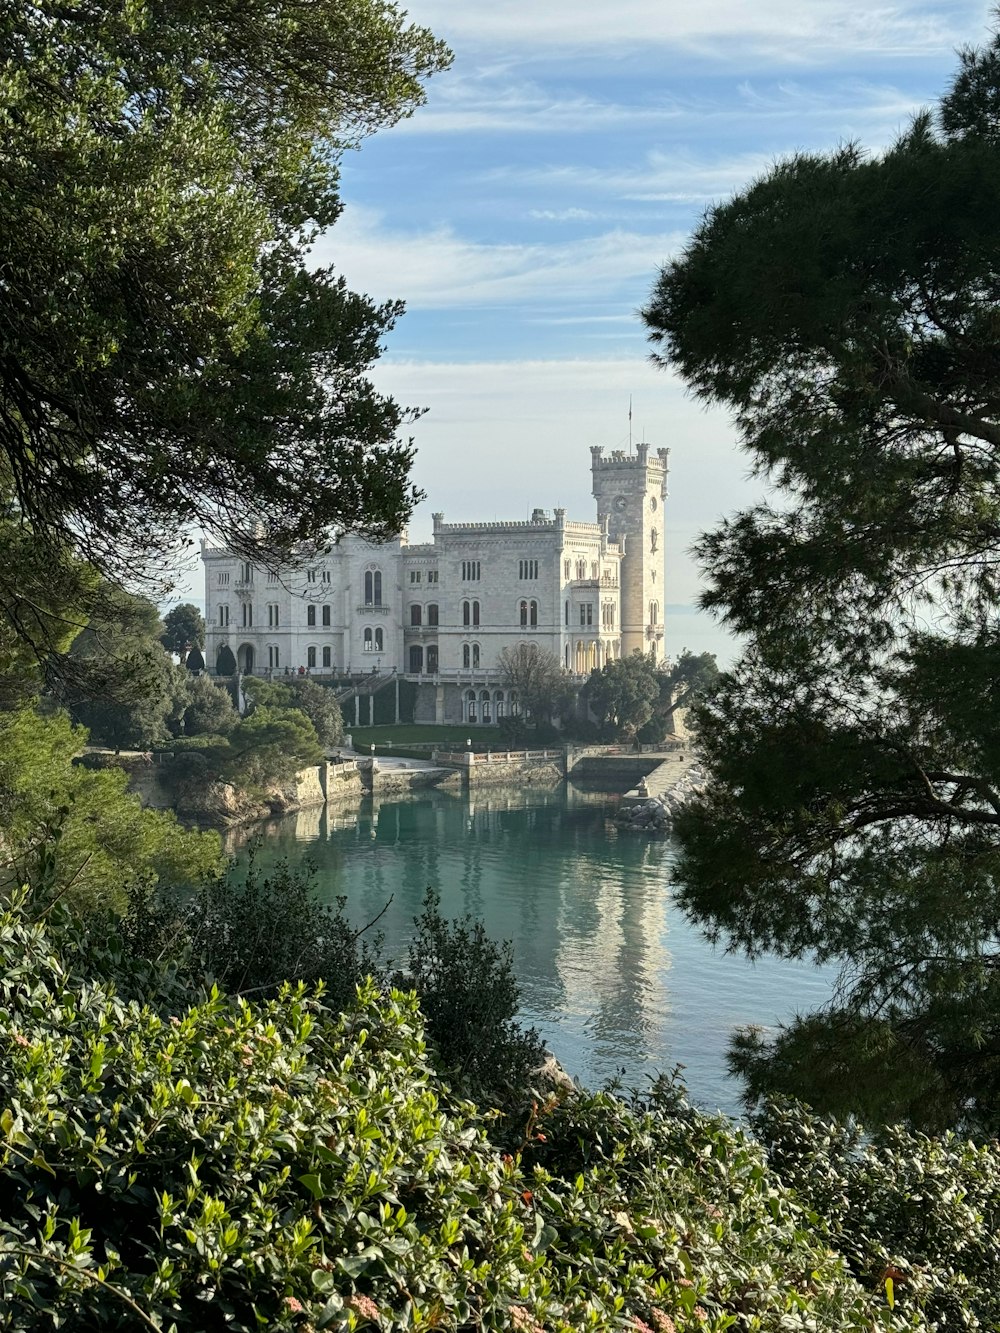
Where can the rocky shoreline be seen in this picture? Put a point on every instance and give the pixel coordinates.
(656, 814)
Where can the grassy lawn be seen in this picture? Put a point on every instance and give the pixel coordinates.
(412, 733)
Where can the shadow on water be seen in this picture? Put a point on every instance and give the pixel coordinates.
(610, 971)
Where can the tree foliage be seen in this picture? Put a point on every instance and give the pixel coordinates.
(119, 682)
(624, 693)
(537, 678)
(316, 701)
(208, 708)
(105, 841)
(183, 629)
(844, 308)
(169, 351)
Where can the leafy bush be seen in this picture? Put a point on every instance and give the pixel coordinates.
(253, 933)
(176, 1159)
(921, 1213)
(469, 997)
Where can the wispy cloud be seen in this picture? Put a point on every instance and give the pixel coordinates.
(675, 176)
(439, 269)
(499, 101)
(562, 214)
(786, 30)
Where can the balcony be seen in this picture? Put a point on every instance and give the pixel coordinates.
(420, 631)
(373, 609)
(601, 584)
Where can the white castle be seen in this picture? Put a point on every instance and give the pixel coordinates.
(440, 613)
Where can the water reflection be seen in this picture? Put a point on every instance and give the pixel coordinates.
(610, 972)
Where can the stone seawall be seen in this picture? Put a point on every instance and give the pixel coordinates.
(222, 804)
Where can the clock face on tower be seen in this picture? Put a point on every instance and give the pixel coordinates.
(621, 504)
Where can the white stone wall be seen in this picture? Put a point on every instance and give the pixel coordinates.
(587, 590)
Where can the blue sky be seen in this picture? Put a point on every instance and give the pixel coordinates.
(523, 213)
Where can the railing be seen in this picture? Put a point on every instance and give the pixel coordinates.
(373, 609)
(466, 758)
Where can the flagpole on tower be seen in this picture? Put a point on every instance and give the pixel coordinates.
(630, 423)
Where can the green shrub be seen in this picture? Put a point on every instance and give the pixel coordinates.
(924, 1212)
(176, 1159)
(470, 997)
(252, 932)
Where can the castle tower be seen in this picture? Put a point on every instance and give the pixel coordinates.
(630, 490)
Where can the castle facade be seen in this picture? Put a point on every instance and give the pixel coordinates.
(440, 613)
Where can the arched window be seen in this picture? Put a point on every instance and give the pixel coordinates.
(273, 657)
(484, 700)
(654, 612)
(475, 654)
(416, 615)
(223, 615)
(326, 615)
(310, 615)
(566, 663)
(466, 655)
(432, 659)
(567, 613)
(475, 613)
(378, 640)
(373, 587)
(368, 638)
(310, 657)
(498, 704)
(465, 613)
(581, 569)
(524, 613)
(416, 660)
(533, 615)
(470, 706)
(515, 706)
(327, 657)
(432, 614)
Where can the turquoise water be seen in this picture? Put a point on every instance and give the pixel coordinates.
(610, 972)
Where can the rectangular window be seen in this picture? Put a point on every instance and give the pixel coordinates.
(586, 613)
(272, 615)
(310, 657)
(272, 656)
(247, 615)
(223, 580)
(527, 569)
(326, 615)
(246, 573)
(223, 615)
(327, 576)
(310, 615)
(328, 657)
(311, 575)
(470, 571)
(272, 576)
(432, 576)
(414, 575)
(567, 568)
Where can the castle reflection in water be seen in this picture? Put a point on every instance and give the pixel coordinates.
(610, 972)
